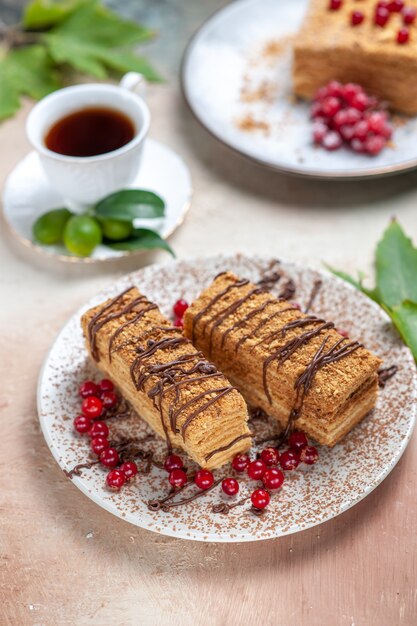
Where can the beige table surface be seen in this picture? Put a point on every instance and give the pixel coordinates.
(66, 561)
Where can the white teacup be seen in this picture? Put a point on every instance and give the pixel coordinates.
(82, 181)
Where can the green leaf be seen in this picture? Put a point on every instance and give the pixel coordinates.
(43, 14)
(404, 317)
(26, 71)
(96, 24)
(129, 204)
(126, 61)
(93, 39)
(371, 293)
(396, 267)
(143, 239)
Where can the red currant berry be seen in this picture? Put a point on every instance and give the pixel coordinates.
(273, 478)
(240, 462)
(230, 486)
(356, 18)
(99, 429)
(357, 145)
(351, 90)
(334, 5)
(180, 307)
(129, 469)
(260, 498)
(409, 15)
(330, 106)
(98, 444)
(109, 457)
(360, 101)
(179, 322)
(346, 132)
(297, 440)
(204, 479)
(334, 88)
(315, 111)
(270, 456)
(361, 130)
(88, 388)
(403, 35)
(82, 424)
(352, 116)
(319, 131)
(332, 141)
(115, 479)
(109, 399)
(309, 455)
(374, 144)
(396, 6)
(92, 407)
(256, 469)
(381, 16)
(178, 478)
(383, 4)
(106, 385)
(289, 460)
(173, 461)
(343, 332)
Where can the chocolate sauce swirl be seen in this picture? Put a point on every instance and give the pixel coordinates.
(98, 322)
(213, 301)
(385, 373)
(227, 446)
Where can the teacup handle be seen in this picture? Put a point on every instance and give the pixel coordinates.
(133, 81)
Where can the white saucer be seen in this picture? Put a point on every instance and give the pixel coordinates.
(27, 194)
(225, 55)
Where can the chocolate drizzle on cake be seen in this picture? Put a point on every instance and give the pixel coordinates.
(99, 319)
(385, 373)
(212, 302)
(306, 378)
(314, 293)
(228, 446)
(288, 290)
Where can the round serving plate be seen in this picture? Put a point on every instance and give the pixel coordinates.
(28, 194)
(236, 78)
(310, 495)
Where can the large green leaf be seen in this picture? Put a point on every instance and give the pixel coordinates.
(405, 318)
(143, 239)
(130, 204)
(26, 71)
(41, 14)
(93, 39)
(396, 267)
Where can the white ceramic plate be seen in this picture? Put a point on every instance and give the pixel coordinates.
(228, 53)
(310, 495)
(27, 194)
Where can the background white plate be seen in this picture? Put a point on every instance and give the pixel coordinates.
(225, 53)
(310, 495)
(27, 194)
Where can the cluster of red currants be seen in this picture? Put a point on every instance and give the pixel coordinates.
(265, 468)
(97, 399)
(345, 114)
(179, 309)
(383, 11)
(178, 478)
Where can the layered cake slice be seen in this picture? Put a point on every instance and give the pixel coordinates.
(170, 384)
(294, 366)
(366, 42)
